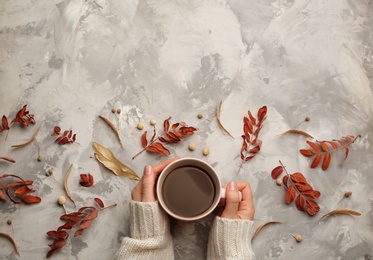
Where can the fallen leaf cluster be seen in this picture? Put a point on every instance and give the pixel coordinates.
(80, 220)
(251, 128)
(298, 189)
(24, 117)
(322, 150)
(170, 135)
(18, 191)
(67, 137)
(86, 180)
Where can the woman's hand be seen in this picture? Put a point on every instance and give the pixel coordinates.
(144, 191)
(232, 207)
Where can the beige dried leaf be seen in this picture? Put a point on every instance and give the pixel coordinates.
(107, 158)
(112, 126)
(295, 131)
(341, 212)
(11, 240)
(219, 121)
(262, 226)
(31, 140)
(65, 185)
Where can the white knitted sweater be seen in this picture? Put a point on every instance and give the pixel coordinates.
(151, 238)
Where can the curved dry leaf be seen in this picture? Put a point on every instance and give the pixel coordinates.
(7, 159)
(112, 126)
(31, 140)
(65, 184)
(294, 131)
(341, 212)
(262, 226)
(107, 158)
(219, 121)
(11, 240)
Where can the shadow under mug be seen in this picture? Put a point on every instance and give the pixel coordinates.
(189, 189)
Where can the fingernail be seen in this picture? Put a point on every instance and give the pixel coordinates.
(233, 185)
(147, 170)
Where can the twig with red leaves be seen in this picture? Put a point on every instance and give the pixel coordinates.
(18, 190)
(81, 219)
(24, 117)
(295, 184)
(67, 137)
(251, 129)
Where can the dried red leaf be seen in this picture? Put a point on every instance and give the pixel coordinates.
(86, 180)
(67, 225)
(58, 234)
(7, 159)
(285, 180)
(307, 152)
(31, 199)
(298, 177)
(303, 187)
(85, 224)
(252, 118)
(299, 202)
(324, 146)
(247, 126)
(66, 137)
(290, 194)
(99, 202)
(276, 172)
(312, 194)
(316, 161)
(262, 112)
(144, 141)
(326, 161)
(23, 190)
(70, 217)
(16, 191)
(312, 207)
(22, 116)
(79, 232)
(5, 125)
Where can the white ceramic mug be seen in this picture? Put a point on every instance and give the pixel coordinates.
(187, 194)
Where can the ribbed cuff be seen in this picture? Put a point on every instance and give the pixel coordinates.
(148, 220)
(230, 239)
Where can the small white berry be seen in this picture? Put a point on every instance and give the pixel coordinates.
(140, 125)
(206, 151)
(298, 238)
(279, 182)
(153, 121)
(61, 200)
(192, 146)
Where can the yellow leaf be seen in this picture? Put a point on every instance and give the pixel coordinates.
(107, 158)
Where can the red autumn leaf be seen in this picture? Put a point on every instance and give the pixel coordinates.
(255, 149)
(79, 232)
(99, 202)
(31, 199)
(57, 244)
(187, 130)
(346, 154)
(326, 161)
(316, 161)
(307, 152)
(4, 122)
(324, 146)
(303, 187)
(312, 207)
(66, 137)
(298, 177)
(67, 225)
(311, 194)
(70, 217)
(285, 180)
(86, 180)
(23, 190)
(290, 194)
(247, 126)
(166, 124)
(299, 202)
(314, 146)
(85, 224)
(252, 118)
(333, 144)
(144, 141)
(262, 112)
(93, 214)
(2, 195)
(58, 234)
(276, 172)
(158, 148)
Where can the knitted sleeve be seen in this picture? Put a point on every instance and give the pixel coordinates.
(150, 234)
(229, 239)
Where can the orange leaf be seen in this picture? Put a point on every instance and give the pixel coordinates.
(285, 180)
(298, 177)
(252, 118)
(326, 161)
(307, 152)
(23, 190)
(290, 194)
(312, 207)
(262, 112)
(255, 149)
(4, 122)
(303, 187)
(324, 146)
(314, 146)
(79, 232)
(334, 145)
(299, 202)
(31, 199)
(99, 202)
(85, 224)
(346, 154)
(166, 124)
(247, 126)
(276, 172)
(316, 161)
(311, 194)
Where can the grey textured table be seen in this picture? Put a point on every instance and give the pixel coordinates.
(71, 61)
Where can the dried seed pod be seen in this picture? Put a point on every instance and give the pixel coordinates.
(347, 194)
(206, 151)
(200, 116)
(307, 118)
(279, 182)
(119, 110)
(298, 238)
(9, 222)
(39, 158)
(140, 125)
(153, 121)
(113, 110)
(61, 200)
(49, 172)
(192, 146)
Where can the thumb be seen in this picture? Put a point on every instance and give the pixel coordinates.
(232, 202)
(148, 183)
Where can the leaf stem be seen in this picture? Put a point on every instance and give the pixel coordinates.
(144, 149)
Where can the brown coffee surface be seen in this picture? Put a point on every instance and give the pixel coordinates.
(188, 191)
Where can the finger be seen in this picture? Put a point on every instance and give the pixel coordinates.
(246, 208)
(157, 169)
(136, 192)
(148, 185)
(232, 201)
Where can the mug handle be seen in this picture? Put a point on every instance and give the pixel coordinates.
(222, 194)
